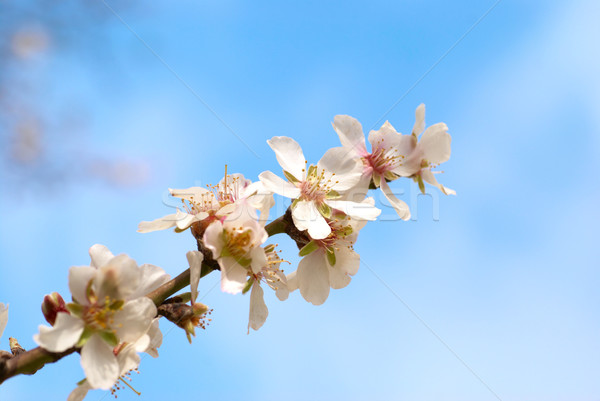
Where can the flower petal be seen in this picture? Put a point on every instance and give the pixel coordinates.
(289, 155)
(400, 206)
(313, 277)
(351, 133)
(118, 279)
(3, 317)
(213, 238)
(79, 393)
(63, 335)
(341, 168)
(259, 259)
(79, 278)
(429, 177)
(258, 308)
(233, 275)
(133, 321)
(161, 223)
(99, 363)
(357, 210)
(347, 264)
(306, 216)
(435, 143)
(278, 185)
(419, 120)
(195, 259)
(100, 255)
(152, 277)
(292, 281)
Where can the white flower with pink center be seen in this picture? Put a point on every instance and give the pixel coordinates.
(329, 262)
(109, 309)
(316, 190)
(425, 153)
(234, 195)
(245, 264)
(382, 164)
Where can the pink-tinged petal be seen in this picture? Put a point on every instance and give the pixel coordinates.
(419, 120)
(233, 275)
(347, 169)
(79, 393)
(435, 144)
(99, 363)
(278, 185)
(258, 308)
(195, 259)
(351, 133)
(79, 277)
(289, 155)
(161, 223)
(259, 259)
(152, 277)
(292, 281)
(118, 279)
(400, 206)
(429, 177)
(3, 317)
(306, 216)
(385, 137)
(100, 255)
(313, 277)
(357, 210)
(133, 321)
(213, 238)
(63, 335)
(190, 194)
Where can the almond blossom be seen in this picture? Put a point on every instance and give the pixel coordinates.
(127, 358)
(381, 164)
(329, 262)
(234, 195)
(109, 309)
(236, 245)
(318, 189)
(426, 152)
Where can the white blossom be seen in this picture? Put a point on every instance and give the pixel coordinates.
(109, 309)
(236, 245)
(234, 195)
(380, 165)
(426, 152)
(329, 262)
(316, 189)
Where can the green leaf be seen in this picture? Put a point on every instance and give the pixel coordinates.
(308, 248)
(331, 256)
(312, 170)
(421, 184)
(332, 195)
(376, 180)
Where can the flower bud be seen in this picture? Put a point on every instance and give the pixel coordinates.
(53, 303)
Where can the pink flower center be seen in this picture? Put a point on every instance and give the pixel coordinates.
(383, 160)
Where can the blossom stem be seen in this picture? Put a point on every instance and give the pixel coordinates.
(29, 362)
(277, 226)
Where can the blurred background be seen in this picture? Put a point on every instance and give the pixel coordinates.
(489, 295)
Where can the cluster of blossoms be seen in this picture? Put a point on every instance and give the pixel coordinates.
(113, 316)
(329, 206)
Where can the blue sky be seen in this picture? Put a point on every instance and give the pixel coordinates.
(499, 292)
